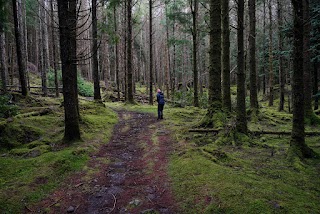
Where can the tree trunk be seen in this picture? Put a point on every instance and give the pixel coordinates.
(67, 12)
(315, 86)
(297, 144)
(226, 95)
(117, 52)
(241, 124)
(270, 56)
(3, 58)
(21, 54)
(306, 60)
(280, 46)
(129, 52)
(252, 49)
(45, 48)
(54, 57)
(264, 50)
(195, 51)
(215, 60)
(151, 55)
(95, 65)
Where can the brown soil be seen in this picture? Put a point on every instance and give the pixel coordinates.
(131, 173)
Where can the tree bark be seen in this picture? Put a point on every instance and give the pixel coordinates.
(281, 68)
(226, 95)
(45, 48)
(3, 58)
(194, 5)
(271, 96)
(117, 52)
(298, 146)
(306, 60)
(215, 103)
(129, 52)
(19, 47)
(151, 55)
(95, 64)
(315, 84)
(241, 123)
(54, 57)
(67, 12)
(252, 49)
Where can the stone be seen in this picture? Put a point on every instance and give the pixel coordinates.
(71, 209)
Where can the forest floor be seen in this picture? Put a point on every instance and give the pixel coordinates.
(130, 173)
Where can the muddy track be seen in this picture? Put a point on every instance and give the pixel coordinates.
(135, 178)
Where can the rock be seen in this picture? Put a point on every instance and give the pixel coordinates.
(135, 202)
(71, 209)
(34, 153)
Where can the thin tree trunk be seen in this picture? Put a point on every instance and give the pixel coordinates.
(95, 65)
(19, 47)
(129, 52)
(195, 52)
(117, 52)
(315, 86)
(270, 56)
(226, 95)
(151, 55)
(252, 50)
(306, 60)
(280, 46)
(3, 59)
(54, 56)
(45, 49)
(241, 124)
(67, 12)
(264, 50)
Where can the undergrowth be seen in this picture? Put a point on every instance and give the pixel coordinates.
(33, 160)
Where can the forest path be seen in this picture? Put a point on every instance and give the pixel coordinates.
(133, 180)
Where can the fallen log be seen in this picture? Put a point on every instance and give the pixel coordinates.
(288, 133)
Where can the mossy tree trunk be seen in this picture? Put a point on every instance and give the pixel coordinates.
(226, 94)
(241, 123)
(297, 144)
(95, 64)
(252, 50)
(21, 54)
(67, 13)
(215, 102)
(280, 46)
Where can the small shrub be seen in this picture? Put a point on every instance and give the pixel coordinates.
(85, 88)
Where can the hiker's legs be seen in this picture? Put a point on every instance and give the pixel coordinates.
(159, 111)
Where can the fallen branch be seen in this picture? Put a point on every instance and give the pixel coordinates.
(114, 203)
(45, 111)
(205, 130)
(288, 133)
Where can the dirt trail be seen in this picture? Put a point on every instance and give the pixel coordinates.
(134, 181)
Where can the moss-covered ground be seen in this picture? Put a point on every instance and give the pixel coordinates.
(33, 158)
(213, 174)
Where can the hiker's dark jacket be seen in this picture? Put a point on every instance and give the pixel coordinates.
(160, 98)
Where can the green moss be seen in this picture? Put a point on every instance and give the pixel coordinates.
(41, 158)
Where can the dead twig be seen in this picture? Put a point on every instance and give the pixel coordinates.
(55, 202)
(114, 203)
(28, 209)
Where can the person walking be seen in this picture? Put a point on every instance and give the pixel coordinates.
(161, 102)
